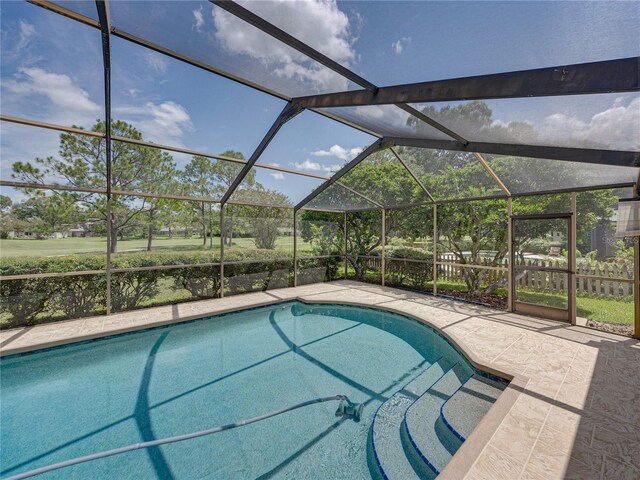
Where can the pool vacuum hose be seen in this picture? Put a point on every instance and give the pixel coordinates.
(346, 409)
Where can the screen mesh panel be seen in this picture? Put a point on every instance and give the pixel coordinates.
(212, 36)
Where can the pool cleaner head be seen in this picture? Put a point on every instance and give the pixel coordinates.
(347, 408)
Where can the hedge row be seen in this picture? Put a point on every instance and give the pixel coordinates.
(84, 262)
(36, 300)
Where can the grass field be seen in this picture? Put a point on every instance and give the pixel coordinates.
(69, 246)
(604, 309)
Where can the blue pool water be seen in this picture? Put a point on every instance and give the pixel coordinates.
(84, 398)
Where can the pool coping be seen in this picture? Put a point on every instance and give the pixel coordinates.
(460, 464)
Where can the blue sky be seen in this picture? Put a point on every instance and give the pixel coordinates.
(52, 71)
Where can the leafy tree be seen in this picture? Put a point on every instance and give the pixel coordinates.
(261, 222)
(5, 203)
(46, 214)
(363, 237)
(471, 229)
(82, 163)
(226, 173)
(199, 180)
(323, 230)
(210, 178)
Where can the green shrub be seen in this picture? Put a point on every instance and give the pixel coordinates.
(200, 282)
(36, 300)
(251, 277)
(401, 272)
(312, 270)
(23, 299)
(79, 295)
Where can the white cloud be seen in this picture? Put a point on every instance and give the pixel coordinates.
(388, 117)
(160, 123)
(315, 166)
(27, 31)
(277, 175)
(198, 18)
(67, 99)
(319, 23)
(16, 39)
(274, 164)
(155, 61)
(340, 152)
(399, 44)
(617, 127)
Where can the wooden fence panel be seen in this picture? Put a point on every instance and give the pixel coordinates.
(618, 276)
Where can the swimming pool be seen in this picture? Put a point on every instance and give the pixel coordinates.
(83, 398)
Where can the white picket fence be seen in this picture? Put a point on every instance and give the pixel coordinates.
(602, 279)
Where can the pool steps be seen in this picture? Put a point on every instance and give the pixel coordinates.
(415, 433)
(386, 452)
(464, 410)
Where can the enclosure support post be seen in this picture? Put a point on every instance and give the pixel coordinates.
(295, 248)
(572, 260)
(510, 285)
(346, 261)
(636, 285)
(383, 241)
(221, 251)
(435, 248)
(105, 28)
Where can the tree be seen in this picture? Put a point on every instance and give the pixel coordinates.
(200, 180)
(46, 214)
(226, 173)
(7, 221)
(323, 230)
(261, 222)
(82, 163)
(364, 235)
(5, 203)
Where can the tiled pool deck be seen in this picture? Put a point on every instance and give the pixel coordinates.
(572, 411)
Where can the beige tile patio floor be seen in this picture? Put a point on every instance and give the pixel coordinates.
(575, 403)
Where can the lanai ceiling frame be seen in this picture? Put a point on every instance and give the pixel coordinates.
(620, 75)
(284, 37)
(279, 34)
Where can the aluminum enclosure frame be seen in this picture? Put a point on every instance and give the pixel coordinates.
(618, 75)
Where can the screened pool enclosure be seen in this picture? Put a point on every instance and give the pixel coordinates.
(484, 164)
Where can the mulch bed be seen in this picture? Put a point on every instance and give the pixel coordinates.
(611, 327)
(493, 301)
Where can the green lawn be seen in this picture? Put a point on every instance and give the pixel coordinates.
(604, 309)
(69, 246)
